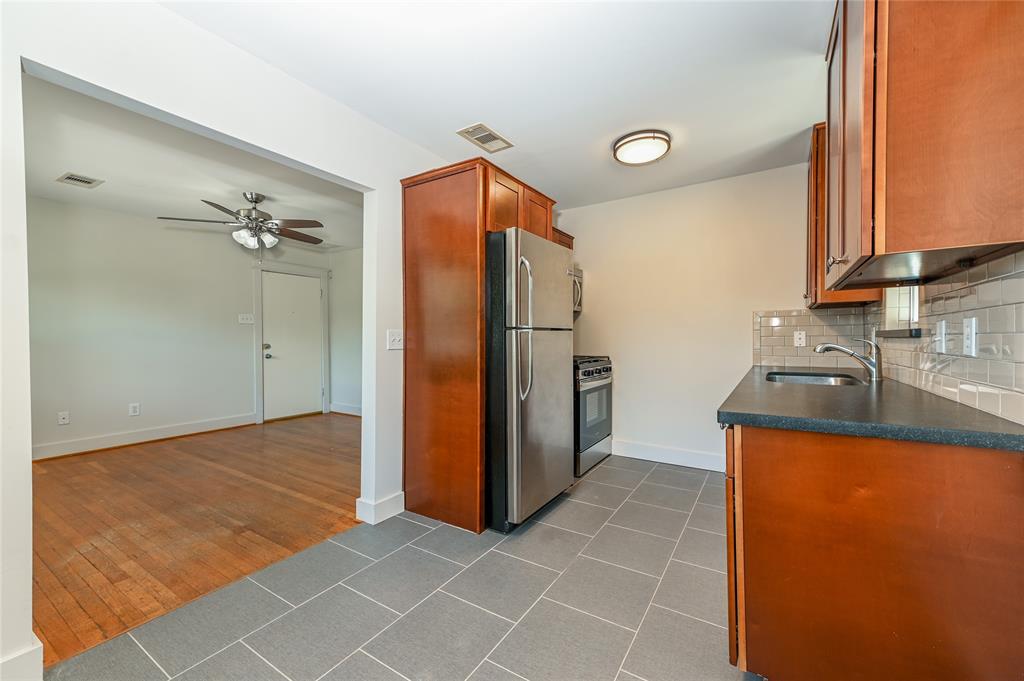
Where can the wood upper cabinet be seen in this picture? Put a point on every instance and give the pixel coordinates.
(537, 213)
(855, 558)
(505, 208)
(925, 169)
(562, 238)
(817, 293)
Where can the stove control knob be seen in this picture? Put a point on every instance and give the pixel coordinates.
(607, 370)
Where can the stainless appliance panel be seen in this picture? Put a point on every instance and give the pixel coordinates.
(540, 418)
(593, 456)
(539, 282)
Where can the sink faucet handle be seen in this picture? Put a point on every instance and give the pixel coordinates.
(873, 350)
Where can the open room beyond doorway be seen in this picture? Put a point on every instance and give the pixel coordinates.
(156, 480)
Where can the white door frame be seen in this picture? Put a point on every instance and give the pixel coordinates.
(324, 275)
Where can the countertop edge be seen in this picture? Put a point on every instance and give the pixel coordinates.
(887, 431)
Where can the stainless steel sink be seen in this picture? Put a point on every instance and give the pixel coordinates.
(808, 378)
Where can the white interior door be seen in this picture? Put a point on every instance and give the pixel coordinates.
(292, 345)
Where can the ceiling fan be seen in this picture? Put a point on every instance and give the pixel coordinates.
(257, 226)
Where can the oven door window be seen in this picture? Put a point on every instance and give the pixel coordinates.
(595, 416)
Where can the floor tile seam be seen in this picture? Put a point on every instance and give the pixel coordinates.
(608, 484)
(336, 543)
(270, 591)
(384, 664)
(692, 617)
(272, 665)
(624, 567)
(541, 522)
(518, 676)
(438, 555)
(701, 529)
(667, 508)
(369, 598)
(589, 614)
(696, 565)
(475, 605)
(661, 579)
(649, 534)
(146, 652)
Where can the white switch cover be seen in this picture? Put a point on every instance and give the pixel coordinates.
(134, 409)
(246, 318)
(799, 339)
(63, 418)
(971, 336)
(396, 339)
(940, 336)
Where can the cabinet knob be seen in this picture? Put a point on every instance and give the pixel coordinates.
(833, 260)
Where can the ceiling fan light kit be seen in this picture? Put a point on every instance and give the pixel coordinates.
(258, 227)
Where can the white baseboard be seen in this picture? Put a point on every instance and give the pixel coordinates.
(342, 408)
(24, 665)
(674, 455)
(374, 512)
(128, 437)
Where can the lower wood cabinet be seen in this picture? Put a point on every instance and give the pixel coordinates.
(863, 558)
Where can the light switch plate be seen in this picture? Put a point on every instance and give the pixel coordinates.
(971, 336)
(799, 339)
(134, 409)
(63, 418)
(246, 318)
(396, 339)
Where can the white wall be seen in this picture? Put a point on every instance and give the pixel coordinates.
(671, 280)
(124, 309)
(346, 330)
(149, 59)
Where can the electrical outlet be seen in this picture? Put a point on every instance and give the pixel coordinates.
(63, 418)
(396, 339)
(134, 409)
(971, 336)
(799, 339)
(246, 318)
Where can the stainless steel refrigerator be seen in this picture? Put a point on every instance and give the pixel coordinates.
(529, 375)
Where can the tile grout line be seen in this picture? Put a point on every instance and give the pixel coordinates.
(599, 560)
(698, 529)
(660, 580)
(680, 612)
(449, 593)
(431, 527)
(544, 593)
(702, 567)
(518, 676)
(272, 666)
(573, 607)
(495, 549)
(152, 659)
(541, 522)
(275, 595)
(380, 662)
(331, 539)
(649, 534)
(372, 600)
(437, 555)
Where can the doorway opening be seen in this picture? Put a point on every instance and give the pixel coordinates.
(159, 471)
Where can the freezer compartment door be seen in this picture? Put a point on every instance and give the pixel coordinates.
(538, 282)
(540, 432)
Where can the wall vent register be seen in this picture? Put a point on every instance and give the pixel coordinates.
(76, 180)
(485, 138)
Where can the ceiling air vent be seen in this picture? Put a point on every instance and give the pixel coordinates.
(485, 138)
(76, 180)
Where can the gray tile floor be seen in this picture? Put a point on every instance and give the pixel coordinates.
(622, 578)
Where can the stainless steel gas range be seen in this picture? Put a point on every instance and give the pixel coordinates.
(593, 410)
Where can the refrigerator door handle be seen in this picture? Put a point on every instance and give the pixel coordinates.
(523, 262)
(523, 394)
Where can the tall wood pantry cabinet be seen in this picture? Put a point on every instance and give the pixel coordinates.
(446, 214)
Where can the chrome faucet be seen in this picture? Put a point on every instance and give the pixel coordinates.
(872, 362)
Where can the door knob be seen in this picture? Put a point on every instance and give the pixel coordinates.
(267, 356)
(266, 346)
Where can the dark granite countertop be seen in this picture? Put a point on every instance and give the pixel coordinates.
(888, 409)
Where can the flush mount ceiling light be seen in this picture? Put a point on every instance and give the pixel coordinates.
(641, 147)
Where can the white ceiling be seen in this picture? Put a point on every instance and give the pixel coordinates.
(737, 84)
(151, 168)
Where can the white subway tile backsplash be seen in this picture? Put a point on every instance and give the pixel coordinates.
(993, 380)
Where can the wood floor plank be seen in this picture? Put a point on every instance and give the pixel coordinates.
(127, 534)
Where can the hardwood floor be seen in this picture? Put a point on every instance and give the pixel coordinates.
(126, 534)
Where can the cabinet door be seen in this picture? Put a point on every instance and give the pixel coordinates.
(506, 203)
(834, 166)
(813, 196)
(562, 238)
(537, 213)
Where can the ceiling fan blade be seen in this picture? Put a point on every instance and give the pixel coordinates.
(298, 236)
(222, 209)
(296, 224)
(216, 222)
